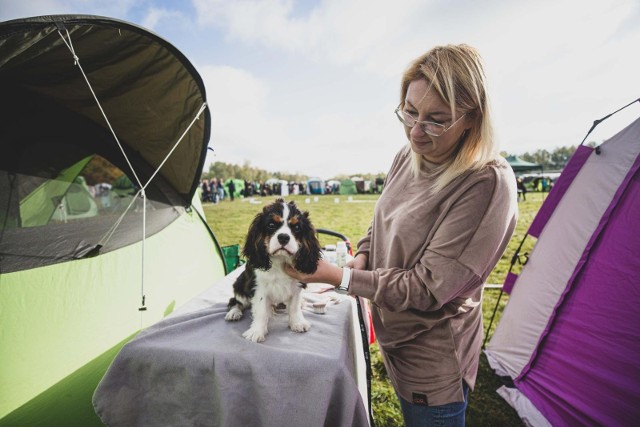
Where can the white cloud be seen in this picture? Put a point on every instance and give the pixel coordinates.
(268, 22)
(554, 67)
(329, 71)
(343, 32)
(245, 127)
(242, 127)
(156, 16)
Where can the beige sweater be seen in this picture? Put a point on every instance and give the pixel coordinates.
(429, 255)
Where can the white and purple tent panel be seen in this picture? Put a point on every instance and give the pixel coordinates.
(570, 334)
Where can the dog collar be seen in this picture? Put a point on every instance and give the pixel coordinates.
(346, 280)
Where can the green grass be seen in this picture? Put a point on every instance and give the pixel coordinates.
(230, 221)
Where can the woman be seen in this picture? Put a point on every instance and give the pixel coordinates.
(446, 214)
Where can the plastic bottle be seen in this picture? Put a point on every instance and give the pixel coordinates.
(329, 254)
(341, 253)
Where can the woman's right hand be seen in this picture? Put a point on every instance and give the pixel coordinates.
(359, 262)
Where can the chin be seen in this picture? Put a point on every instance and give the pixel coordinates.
(421, 148)
(279, 235)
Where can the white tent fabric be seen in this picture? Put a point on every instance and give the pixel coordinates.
(564, 338)
(542, 283)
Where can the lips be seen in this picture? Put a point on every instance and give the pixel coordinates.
(420, 143)
(282, 250)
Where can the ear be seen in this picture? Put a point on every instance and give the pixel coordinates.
(308, 255)
(254, 248)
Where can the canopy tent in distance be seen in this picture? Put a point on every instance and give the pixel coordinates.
(103, 135)
(519, 166)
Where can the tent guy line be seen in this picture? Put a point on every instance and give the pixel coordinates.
(141, 192)
(597, 122)
(76, 60)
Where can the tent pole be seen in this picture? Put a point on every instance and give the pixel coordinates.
(514, 258)
(495, 309)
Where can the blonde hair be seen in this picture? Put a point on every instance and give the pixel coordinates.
(457, 74)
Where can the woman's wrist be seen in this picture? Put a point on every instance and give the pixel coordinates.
(345, 280)
(330, 273)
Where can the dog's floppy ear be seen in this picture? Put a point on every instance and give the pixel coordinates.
(254, 248)
(308, 255)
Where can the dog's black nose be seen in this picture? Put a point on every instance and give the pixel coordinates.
(283, 238)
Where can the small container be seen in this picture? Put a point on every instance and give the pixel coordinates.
(329, 254)
(341, 253)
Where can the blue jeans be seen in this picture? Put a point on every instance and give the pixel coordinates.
(449, 415)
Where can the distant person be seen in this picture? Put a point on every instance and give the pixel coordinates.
(213, 190)
(444, 218)
(545, 184)
(522, 189)
(205, 190)
(232, 190)
(537, 184)
(220, 189)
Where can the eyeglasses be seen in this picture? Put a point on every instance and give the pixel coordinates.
(430, 128)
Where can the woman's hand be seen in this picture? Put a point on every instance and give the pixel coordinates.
(326, 273)
(359, 262)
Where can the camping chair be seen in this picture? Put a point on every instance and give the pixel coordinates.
(231, 257)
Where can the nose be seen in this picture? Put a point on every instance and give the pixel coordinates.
(418, 130)
(283, 238)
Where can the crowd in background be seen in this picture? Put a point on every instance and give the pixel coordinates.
(528, 184)
(215, 190)
(212, 190)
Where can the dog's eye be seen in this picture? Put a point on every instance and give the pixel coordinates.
(272, 225)
(297, 227)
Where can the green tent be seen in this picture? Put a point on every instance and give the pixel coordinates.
(348, 187)
(100, 235)
(239, 187)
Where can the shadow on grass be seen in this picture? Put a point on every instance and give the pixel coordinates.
(486, 407)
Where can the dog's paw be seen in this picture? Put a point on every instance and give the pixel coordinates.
(302, 325)
(254, 335)
(233, 314)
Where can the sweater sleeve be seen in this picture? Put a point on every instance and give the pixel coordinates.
(445, 270)
(364, 244)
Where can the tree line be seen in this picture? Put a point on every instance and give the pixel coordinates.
(254, 174)
(551, 161)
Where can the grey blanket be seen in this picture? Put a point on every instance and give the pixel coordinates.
(195, 369)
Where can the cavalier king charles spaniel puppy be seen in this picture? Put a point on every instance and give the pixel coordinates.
(281, 234)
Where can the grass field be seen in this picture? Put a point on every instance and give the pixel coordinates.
(230, 221)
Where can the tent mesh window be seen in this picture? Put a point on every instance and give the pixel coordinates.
(64, 192)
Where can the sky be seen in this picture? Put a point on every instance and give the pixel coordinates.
(310, 87)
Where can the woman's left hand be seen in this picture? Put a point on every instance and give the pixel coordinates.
(326, 273)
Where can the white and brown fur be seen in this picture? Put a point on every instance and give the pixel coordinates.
(281, 234)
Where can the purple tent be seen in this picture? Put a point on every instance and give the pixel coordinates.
(569, 337)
